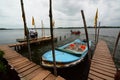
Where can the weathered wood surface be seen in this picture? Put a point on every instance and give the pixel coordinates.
(32, 41)
(27, 70)
(102, 66)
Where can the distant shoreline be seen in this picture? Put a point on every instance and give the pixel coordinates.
(59, 28)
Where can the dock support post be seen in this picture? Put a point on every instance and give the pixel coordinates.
(86, 32)
(51, 30)
(60, 38)
(15, 48)
(65, 37)
(117, 40)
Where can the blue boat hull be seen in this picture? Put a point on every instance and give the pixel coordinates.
(64, 57)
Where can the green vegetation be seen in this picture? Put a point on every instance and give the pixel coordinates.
(2, 66)
(1, 54)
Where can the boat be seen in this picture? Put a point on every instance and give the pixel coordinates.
(75, 32)
(65, 56)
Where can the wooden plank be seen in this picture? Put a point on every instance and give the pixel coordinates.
(102, 72)
(103, 58)
(10, 57)
(103, 66)
(93, 77)
(19, 59)
(41, 75)
(50, 77)
(59, 78)
(34, 73)
(32, 41)
(29, 71)
(22, 65)
(26, 68)
(105, 54)
(101, 75)
(102, 63)
(15, 64)
(104, 69)
(9, 51)
(15, 56)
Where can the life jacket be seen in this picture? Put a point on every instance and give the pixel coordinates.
(83, 47)
(72, 45)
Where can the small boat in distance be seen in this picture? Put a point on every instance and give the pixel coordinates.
(67, 55)
(75, 32)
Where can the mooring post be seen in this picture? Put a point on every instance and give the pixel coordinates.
(26, 31)
(117, 40)
(60, 38)
(65, 37)
(98, 32)
(86, 32)
(15, 48)
(52, 41)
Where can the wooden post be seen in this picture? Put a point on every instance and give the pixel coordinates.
(43, 32)
(98, 32)
(60, 38)
(85, 27)
(52, 41)
(26, 31)
(114, 51)
(65, 37)
(15, 48)
(96, 17)
(86, 32)
(96, 35)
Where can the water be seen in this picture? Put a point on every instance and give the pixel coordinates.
(10, 36)
(107, 34)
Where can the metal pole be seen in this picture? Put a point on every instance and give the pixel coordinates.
(52, 41)
(26, 31)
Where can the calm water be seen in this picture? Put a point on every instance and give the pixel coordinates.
(107, 34)
(10, 36)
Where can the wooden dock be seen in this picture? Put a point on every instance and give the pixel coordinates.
(32, 41)
(18, 46)
(102, 66)
(26, 69)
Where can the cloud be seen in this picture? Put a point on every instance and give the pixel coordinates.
(65, 12)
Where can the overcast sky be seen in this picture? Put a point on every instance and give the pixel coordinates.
(66, 13)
